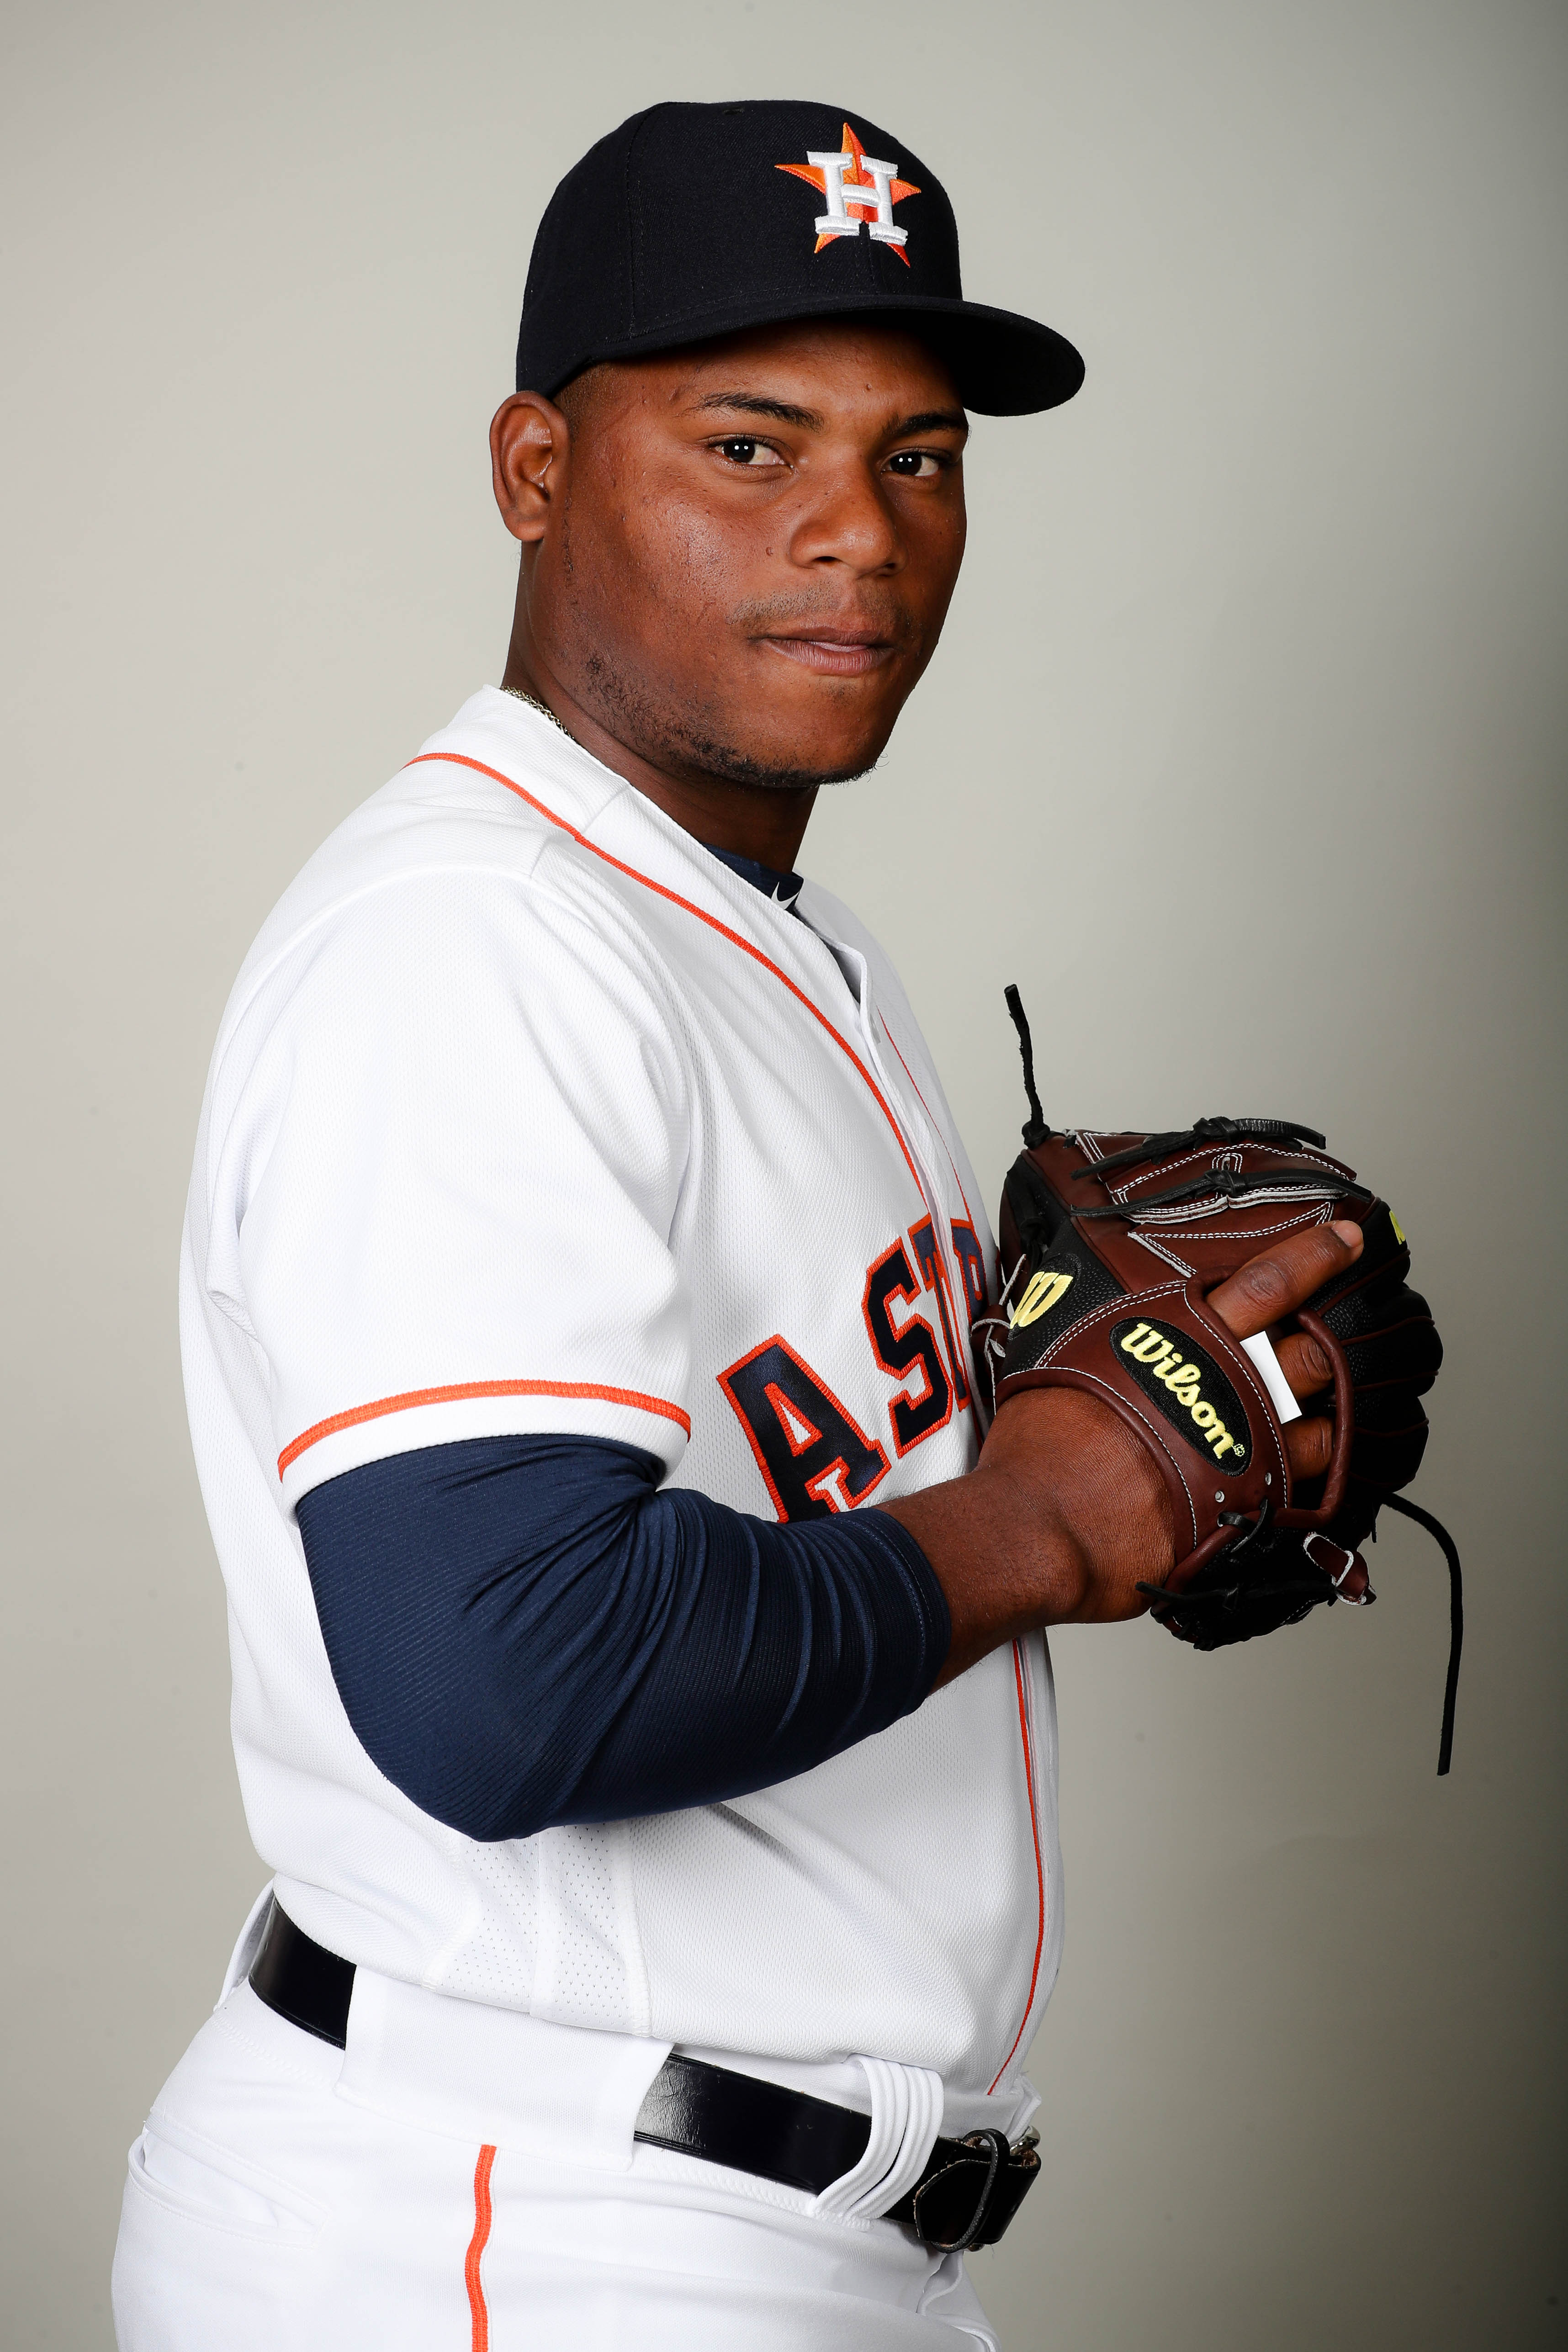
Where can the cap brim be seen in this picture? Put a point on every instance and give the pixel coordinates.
(1002, 365)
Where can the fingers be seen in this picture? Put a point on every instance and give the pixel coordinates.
(1273, 1284)
(1303, 1363)
(1308, 1445)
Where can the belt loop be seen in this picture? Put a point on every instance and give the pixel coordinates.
(251, 1937)
(906, 2117)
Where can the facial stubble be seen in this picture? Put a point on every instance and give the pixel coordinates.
(680, 742)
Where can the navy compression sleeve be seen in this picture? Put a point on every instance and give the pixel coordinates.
(524, 1631)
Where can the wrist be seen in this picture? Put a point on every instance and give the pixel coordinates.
(1006, 1564)
(1061, 1518)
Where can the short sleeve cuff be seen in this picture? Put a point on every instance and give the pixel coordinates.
(405, 1423)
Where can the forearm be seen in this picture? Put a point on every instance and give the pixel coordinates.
(1062, 1517)
(524, 1633)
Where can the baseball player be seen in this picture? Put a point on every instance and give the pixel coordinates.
(640, 1691)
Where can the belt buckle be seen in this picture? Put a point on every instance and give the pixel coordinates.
(1009, 2172)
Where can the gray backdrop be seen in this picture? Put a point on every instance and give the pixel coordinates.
(1244, 755)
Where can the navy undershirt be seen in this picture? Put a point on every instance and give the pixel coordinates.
(772, 884)
(527, 1631)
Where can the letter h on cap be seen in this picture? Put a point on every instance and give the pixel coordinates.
(837, 221)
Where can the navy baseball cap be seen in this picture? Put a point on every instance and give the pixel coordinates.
(695, 221)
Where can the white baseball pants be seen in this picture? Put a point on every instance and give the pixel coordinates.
(287, 2193)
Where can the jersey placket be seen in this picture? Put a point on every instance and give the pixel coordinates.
(1023, 1664)
(866, 1027)
(917, 1131)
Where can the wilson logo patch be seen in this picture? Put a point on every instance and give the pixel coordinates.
(1041, 1293)
(1188, 1387)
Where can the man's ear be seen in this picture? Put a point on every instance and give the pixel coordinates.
(529, 441)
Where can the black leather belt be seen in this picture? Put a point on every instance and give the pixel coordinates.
(966, 2196)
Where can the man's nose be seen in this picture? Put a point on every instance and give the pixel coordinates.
(849, 521)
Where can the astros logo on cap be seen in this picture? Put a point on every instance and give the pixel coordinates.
(836, 176)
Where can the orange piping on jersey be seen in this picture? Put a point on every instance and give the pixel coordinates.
(1017, 1652)
(464, 1389)
(936, 1125)
(461, 760)
(969, 1214)
(1040, 1865)
(476, 2244)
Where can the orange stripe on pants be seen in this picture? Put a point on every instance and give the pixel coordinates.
(476, 2244)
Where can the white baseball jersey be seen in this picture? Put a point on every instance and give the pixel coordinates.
(528, 1115)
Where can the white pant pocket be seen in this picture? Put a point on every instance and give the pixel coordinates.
(196, 2179)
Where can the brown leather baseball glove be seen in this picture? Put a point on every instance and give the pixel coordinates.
(1109, 1245)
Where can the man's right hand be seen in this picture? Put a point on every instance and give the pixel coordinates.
(1065, 1514)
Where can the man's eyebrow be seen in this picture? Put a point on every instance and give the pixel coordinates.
(933, 420)
(757, 404)
(811, 420)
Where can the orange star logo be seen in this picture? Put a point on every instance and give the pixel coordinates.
(835, 179)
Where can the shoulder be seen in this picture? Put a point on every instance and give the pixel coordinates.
(474, 802)
(462, 899)
(477, 850)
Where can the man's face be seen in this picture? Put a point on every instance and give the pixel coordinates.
(750, 549)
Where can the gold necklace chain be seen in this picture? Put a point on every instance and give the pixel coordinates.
(518, 695)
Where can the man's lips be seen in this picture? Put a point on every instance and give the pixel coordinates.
(837, 652)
